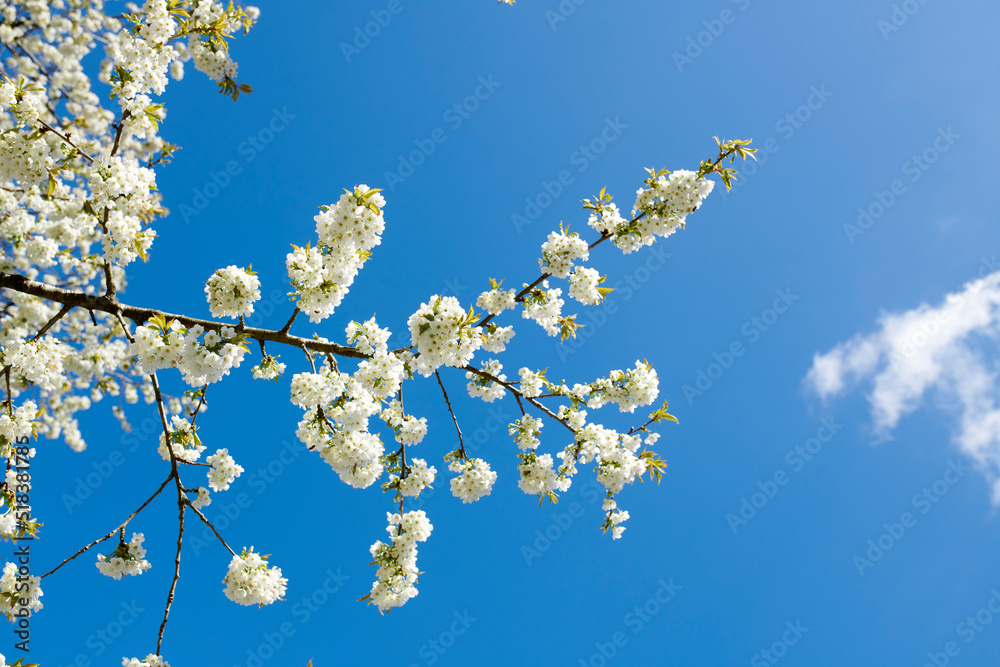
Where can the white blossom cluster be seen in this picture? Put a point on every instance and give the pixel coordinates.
(675, 196)
(442, 334)
(310, 390)
(16, 425)
(347, 231)
(630, 389)
(101, 189)
(18, 594)
(397, 573)
(495, 338)
(538, 477)
(184, 442)
(666, 203)
(202, 357)
(269, 368)
(368, 337)
(251, 581)
(224, 470)
(485, 388)
(382, 375)
(545, 307)
(150, 660)
(409, 430)
(474, 480)
(213, 61)
(39, 361)
(8, 526)
(526, 431)
(532, 383)
(613, 452)
(572, 415)
(158, 26)
(124, 191)
(496, 300)
(419, 476)
(232, 291)
(355, 455)
(145, 63)
(203, 500)
(338, 409)
(615, 517)
(23, 160)
(607, 219)
(127, 559)
(584, 286)
(560, 251)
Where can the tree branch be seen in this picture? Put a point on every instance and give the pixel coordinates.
(177, 575)
(181, 506)
(138, 314)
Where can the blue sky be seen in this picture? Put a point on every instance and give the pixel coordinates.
(686, 585)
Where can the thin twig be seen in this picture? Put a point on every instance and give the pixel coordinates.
(209, 524)
(116, 529)
(55, 318)
(309, 356)
(517, 393)
(65, 138)
(461, 444)
(177, 575)
(181, 507)
(197, 410)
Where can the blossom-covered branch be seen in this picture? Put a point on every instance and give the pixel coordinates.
(79, 204)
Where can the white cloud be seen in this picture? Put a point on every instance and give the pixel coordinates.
(948, 351)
